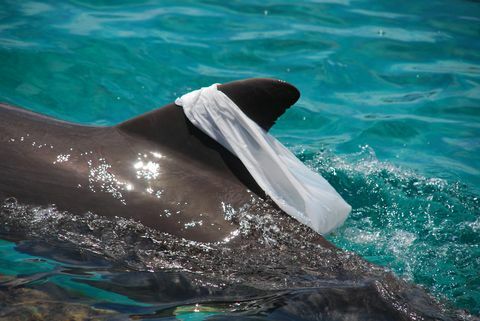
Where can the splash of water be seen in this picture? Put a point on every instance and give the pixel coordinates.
(425, 229)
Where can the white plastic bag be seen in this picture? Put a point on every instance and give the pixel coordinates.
(299, 191)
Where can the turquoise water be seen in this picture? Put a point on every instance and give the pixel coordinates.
(389, 113)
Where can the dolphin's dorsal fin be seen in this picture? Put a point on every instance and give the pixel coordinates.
(263, 100)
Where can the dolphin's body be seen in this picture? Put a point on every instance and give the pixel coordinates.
(162, 171)
(157, 168)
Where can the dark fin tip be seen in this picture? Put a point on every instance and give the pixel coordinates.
(263, 100)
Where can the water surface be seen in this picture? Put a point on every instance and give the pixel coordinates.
(389, 113)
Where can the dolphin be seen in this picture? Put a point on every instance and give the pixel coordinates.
(162, 171)
(156, 168)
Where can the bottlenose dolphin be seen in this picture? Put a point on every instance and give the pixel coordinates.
(157, 168)
(162, 171)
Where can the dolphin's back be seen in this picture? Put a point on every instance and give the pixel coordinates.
(157, 168)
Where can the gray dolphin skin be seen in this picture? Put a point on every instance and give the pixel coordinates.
(156, 168)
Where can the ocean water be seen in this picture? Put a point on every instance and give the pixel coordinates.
(389, 114)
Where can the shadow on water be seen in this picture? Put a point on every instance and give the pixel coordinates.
(76, 284)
